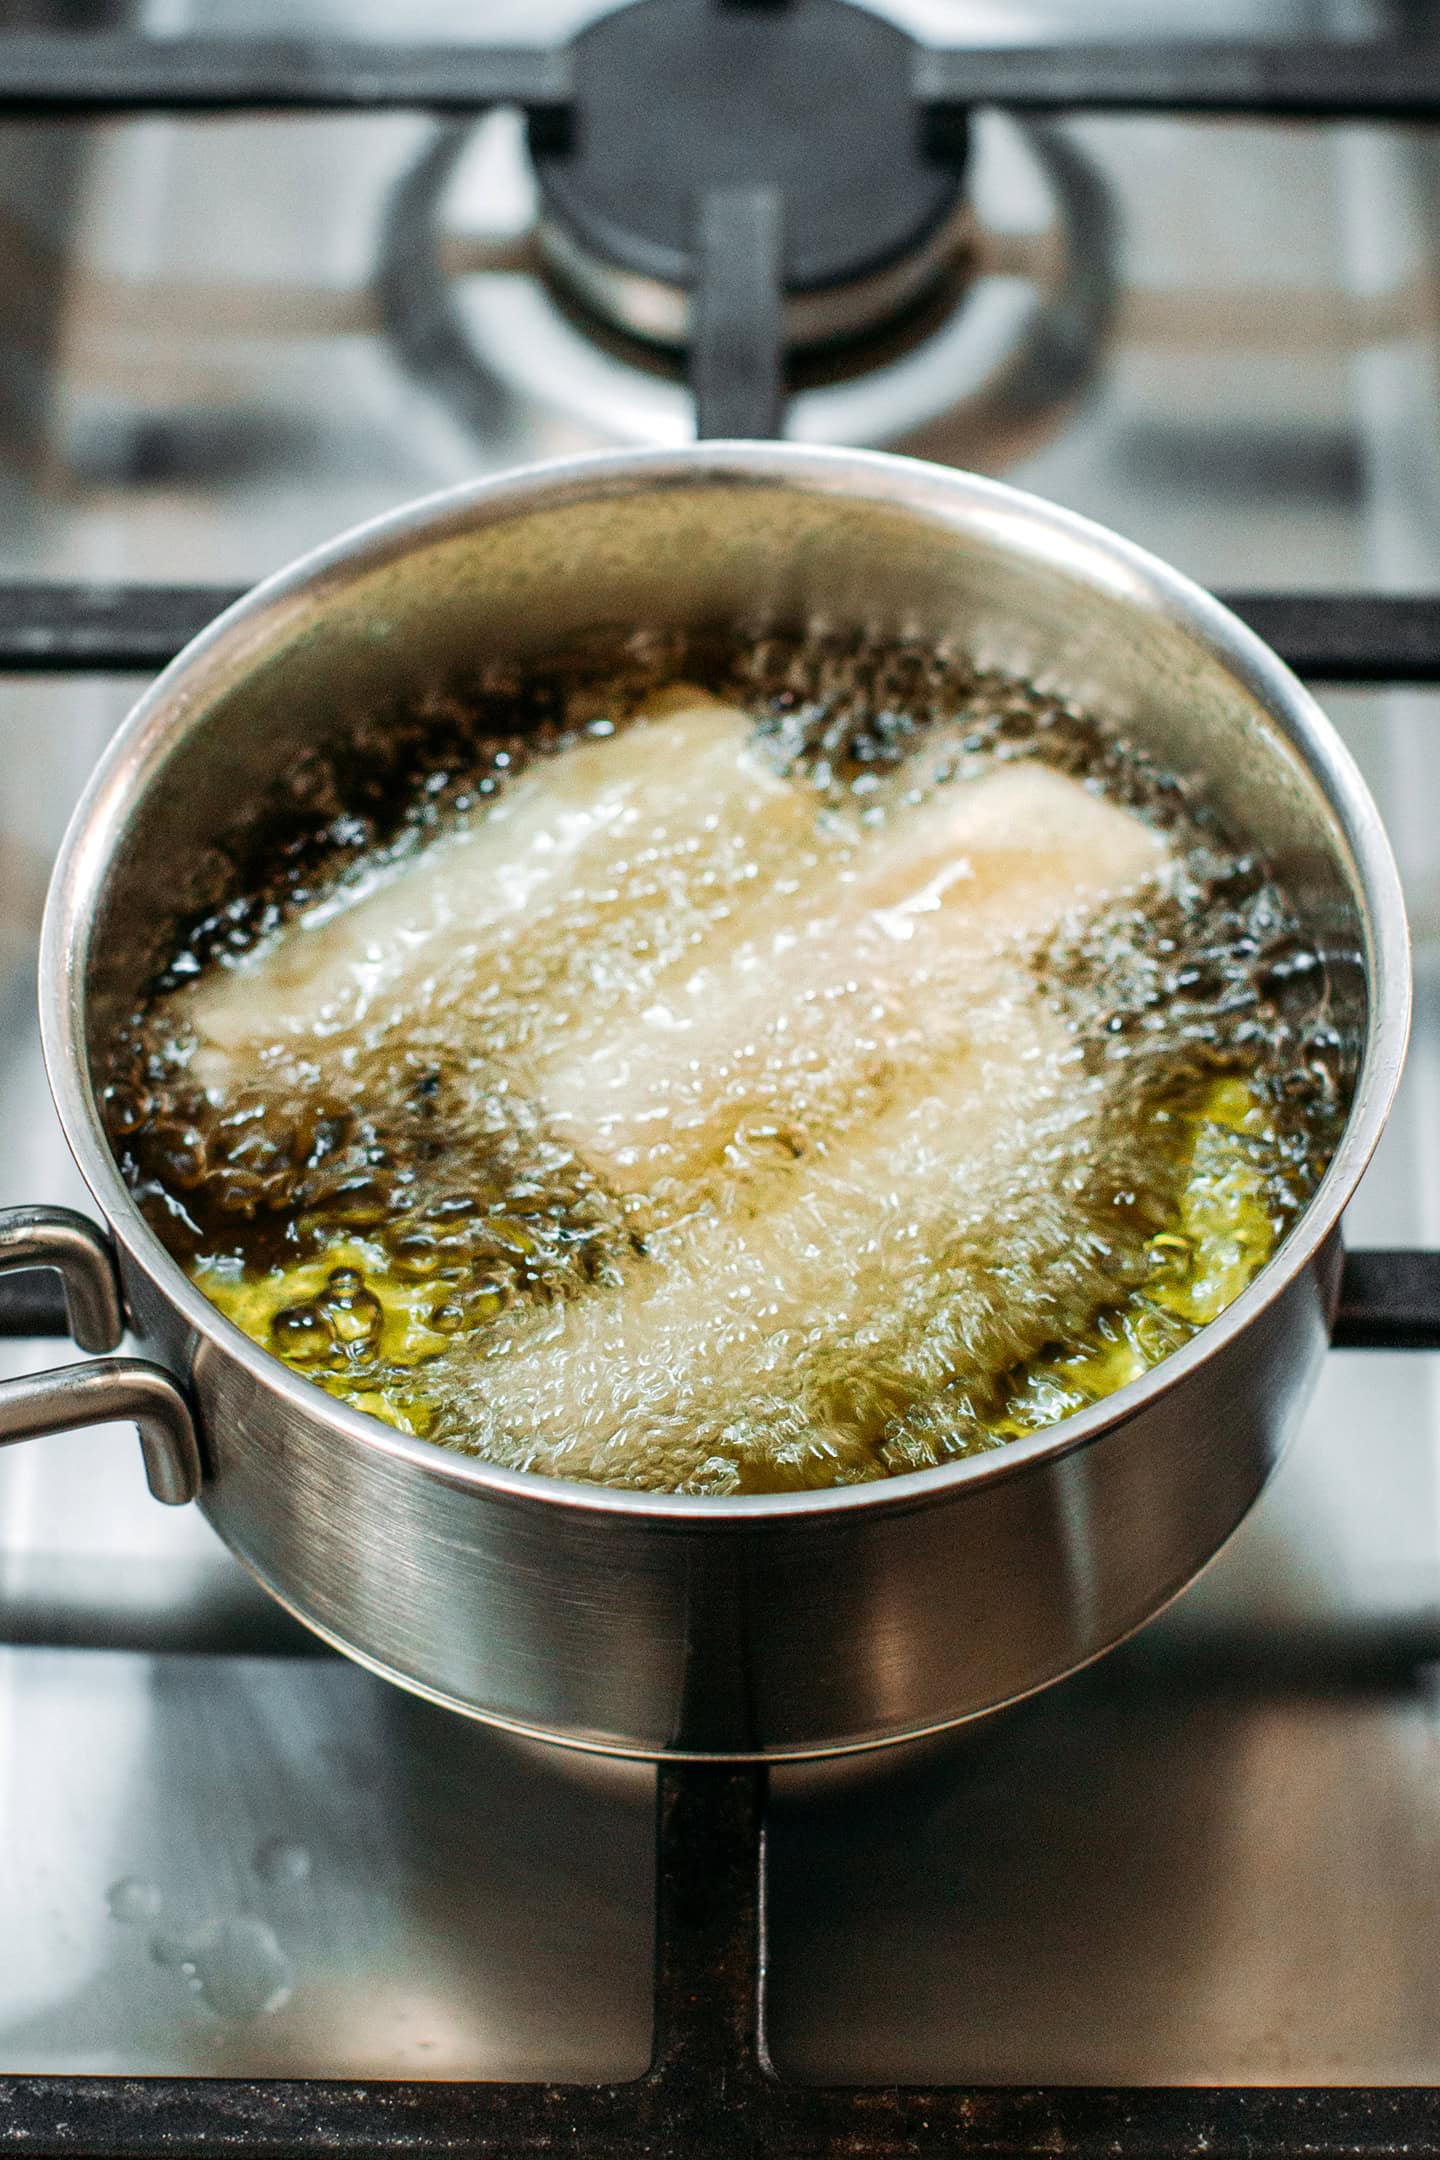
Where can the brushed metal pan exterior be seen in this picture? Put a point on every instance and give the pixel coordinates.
(661, 1625)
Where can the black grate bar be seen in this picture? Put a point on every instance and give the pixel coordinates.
(709, 1925)
(56, 629)
(1310, 80)
(737, 345)
(1144, 2123)
(1389, 1301)
(109, 2118)
(1349, 637)
(86, 73)
(33, 1304)
(116, 629)
(77, 73)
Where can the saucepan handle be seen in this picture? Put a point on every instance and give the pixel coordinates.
(93, 1314)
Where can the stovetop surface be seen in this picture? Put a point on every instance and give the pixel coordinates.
(1211, 1859)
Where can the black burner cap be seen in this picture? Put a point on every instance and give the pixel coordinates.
(676, 97)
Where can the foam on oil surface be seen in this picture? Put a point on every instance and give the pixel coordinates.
(770, 1086)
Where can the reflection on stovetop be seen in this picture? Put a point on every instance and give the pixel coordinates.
(1198, 1864)
(337, 1878)
(1213, 1857)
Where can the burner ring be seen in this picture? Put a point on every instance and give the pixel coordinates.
(660, 312)
(814, 99)
(981, 372)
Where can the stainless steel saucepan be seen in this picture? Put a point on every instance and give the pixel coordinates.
(653, 1624)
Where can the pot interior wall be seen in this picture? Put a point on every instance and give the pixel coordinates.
(592, 561)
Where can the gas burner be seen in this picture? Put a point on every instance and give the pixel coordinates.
(979, 366)
(814, 99)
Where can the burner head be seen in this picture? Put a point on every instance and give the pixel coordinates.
(813, 97)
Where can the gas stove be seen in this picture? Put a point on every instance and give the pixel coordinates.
(271, 270)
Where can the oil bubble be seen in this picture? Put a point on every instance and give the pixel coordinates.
(234, 1965)
(282, 1860)
(133, 1899)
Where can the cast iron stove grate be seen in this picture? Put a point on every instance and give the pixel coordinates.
(710, 2090)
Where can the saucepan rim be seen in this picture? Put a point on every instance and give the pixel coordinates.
(936, 494)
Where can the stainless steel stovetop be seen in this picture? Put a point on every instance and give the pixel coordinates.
(1213, 1858)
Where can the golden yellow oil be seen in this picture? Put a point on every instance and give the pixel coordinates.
(1225, 1229)
(340, 1314)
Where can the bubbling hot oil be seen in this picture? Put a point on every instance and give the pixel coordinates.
(850, 1066)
